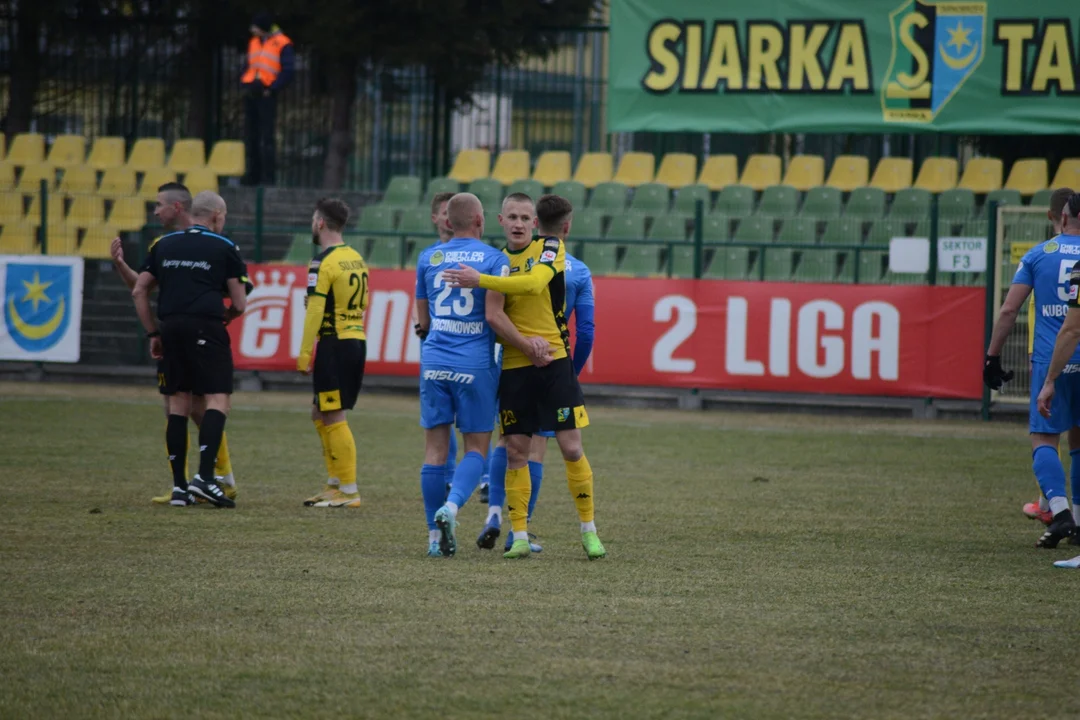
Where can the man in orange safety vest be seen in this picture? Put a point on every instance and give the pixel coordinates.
(269, 68)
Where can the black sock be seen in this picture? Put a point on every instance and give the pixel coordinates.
(210, 432)
(176, 444)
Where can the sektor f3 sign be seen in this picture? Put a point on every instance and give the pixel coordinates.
(1007, 66)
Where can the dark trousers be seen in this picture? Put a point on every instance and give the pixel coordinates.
(260, 114)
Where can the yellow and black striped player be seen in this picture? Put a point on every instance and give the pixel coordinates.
(337, 295)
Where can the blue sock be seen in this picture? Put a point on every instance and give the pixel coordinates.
(497, 478)
(466, 478)
(433, 489)
(487, 463)
(1074, 476)
(536, 475)
(1049, 472)
(451, 455)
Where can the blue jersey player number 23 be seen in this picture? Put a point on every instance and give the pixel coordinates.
(459, 377)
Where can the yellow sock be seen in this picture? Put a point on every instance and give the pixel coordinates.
(332, 482)
(339, 439)
(222, 463)
(518, 490)
(579, 478)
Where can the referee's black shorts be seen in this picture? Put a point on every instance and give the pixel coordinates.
(541, 398)
(197, 356)
(339, 373)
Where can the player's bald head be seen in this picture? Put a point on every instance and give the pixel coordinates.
(206, 204)
(464, 213)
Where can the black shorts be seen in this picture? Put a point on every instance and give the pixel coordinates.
(533, 398)
(339, 373)
(198, 356)
(161, 377)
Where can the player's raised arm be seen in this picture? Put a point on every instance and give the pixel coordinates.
(129, 276)
(532, 283)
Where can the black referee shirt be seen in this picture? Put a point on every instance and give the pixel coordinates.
(192, 268)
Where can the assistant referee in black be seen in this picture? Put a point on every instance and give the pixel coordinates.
(194, 269)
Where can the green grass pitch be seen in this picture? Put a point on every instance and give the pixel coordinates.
(759, 566)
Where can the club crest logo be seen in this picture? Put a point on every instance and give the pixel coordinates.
(1050, 246)
(37, 304)
(562, 414)
(936, 47)
(529, 264)
(437, 257)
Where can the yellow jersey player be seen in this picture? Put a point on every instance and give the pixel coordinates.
(337, 295)
(539, 390)
(173, 211)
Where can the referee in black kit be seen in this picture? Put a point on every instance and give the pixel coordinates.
(194, 270)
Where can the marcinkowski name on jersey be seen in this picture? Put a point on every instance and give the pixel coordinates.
(461, 256)
(458, 327)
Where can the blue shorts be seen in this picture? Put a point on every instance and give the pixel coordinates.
(467, 396)
(1065, 410)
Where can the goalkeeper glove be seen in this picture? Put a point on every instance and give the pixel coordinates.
(993, 375)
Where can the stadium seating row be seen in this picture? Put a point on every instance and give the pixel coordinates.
(115, 182)
(848, 172)
(81, 211)
(28, 149)
(655, 199)
(61, 239)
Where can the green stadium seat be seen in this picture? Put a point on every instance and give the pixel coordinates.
(842, 231)
(735, 201)
(682, 261)
(1041, 199)
(822, 203)
(892, 278)
(626, 227)
(413, 254)
(600, 257)
(922, 228)
(587, 225)
(375, 218)
(403, 191)
(968, 279)
(1012, 197)
(716, 229)
(417, 221)
(779, 263)
(798, 231)
(687, 197)
(489, 191)
(650, 199)
(668, 227)
(779, 201)
(867, 203)
(846, 273)
(912, 203)
(492, 229)
(300, 250)
(754, 230)
(572, 191)
(885, 230)
(815, 266)
(532, 188)
(440, 185)
(957, 204)
(871, 265)
(385, 252)
(641, 260)
(609, 198)
(730, 263)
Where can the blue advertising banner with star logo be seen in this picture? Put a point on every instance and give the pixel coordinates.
(42, 308)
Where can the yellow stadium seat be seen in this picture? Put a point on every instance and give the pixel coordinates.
(153, 179)
(147, 154)
(636, 168)
(106, 153)
(511, 166)
(11, 208)
(227, 158)
(79, 179)
(1027, 176)
(805, 172)
(1067, 175)
(7, 175)
(67, 151)
(201, 179)
(892, 174)
(719, 171)
(761, 171)
(61, 239)
(593, 168)
(86, 211)
(937, 174)
(128, 213)
(677, 170)
(54, 211)
(18, 239)
(118, 182)
(97, 242)
(187, 155)
(27, 149)
(471, 165)
(32, 175)
(552, 167)
(849, 172)
(982, 175)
